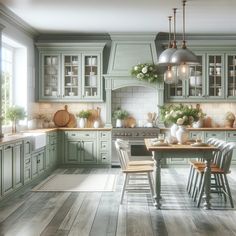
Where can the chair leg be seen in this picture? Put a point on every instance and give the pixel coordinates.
(190, 179)
(201, 191)
(197, 189)
(228, 191)
(222, 185)
(195, 183)
(150, 183)
(123, 189)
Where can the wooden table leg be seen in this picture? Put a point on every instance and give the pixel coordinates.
(157, 179)
(207, 187)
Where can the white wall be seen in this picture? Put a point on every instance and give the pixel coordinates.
(138, 101)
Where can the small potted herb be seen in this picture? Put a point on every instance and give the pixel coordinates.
(83, 115)
(14, 114)
(120, 115)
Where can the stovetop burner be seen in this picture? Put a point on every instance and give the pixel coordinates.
(135, 132)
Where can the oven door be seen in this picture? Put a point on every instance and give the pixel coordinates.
(139, 151)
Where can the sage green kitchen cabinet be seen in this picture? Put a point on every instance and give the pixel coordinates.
(27, 159)
(231, 137)
(12, 167)
(104, 147)
(1, 170)
(38, 162)
(215, 134)
(80, 147)
(87, 147)
(206, 81)
(230, 76)
(70, 72)
(51, 150)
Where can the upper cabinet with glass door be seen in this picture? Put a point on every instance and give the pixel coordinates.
(231, 76)
(70, 72)
(91, 77)
(215, 76)
(71, 76)
(50, 76)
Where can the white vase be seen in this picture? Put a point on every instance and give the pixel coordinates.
(182, 134)
(173, 130)
(82, 122)
(119, 123)
(198, 124)
(96, 124)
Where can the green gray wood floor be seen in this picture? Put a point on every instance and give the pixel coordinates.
(100, 214)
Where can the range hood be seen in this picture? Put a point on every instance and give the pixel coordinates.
(128, 50)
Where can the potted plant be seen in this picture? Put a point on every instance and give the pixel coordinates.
(83, 115)
(14, 114)
(229, 119)
(120, 115)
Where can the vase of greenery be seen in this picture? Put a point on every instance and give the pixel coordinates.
(14, 114)
(120, 115)
(83, 116)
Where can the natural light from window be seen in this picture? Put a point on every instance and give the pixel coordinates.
(14, 76)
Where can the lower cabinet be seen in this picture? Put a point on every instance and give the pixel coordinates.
(12, 167)
(27, 159)
(51, 150)
(38, 162)
(231, 137)
(92, 147)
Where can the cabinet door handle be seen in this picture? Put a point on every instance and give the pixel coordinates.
(8, 147)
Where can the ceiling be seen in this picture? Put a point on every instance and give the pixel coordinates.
(109, 16)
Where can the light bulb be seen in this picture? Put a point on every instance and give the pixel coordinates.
(183, 72)
(169, 76)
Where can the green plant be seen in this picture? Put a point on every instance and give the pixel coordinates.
(15, 113)
(147, 72)
(83, 114)
(120, 114)
(180, 114)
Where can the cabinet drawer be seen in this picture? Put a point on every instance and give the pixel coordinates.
(81, 135)
(196, 134)
(105, 135)
(105, 157)
(219, 135)
(27, 161)
(231, 136)
(104, 145)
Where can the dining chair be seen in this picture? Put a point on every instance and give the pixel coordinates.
(125, 144)
(129, 171)
(220, 171)
(192, 176)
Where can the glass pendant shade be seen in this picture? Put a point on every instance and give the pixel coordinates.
(183, 72)
(170, 76)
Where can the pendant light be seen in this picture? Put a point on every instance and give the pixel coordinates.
(170, 76)
(165, 57)
(183, 56)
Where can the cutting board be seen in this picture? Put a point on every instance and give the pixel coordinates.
(95, 116)
(72, 121)
(61, 117)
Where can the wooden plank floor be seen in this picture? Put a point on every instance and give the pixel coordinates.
(100, 214)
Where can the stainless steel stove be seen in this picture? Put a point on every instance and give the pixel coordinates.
(136, 137)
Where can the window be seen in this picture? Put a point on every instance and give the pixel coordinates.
(7, 72)
(14, 76)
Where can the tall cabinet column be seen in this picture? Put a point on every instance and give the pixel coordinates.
(1, 28)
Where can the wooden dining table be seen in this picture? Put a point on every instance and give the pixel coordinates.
(159, 152)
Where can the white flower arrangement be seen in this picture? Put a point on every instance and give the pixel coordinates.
(147, 72)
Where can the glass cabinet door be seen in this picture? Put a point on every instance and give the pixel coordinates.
(176, 90)
(231, 76)
(215, 76)
(50, 76)
(91, 76)
(71, 75)
(195, 86)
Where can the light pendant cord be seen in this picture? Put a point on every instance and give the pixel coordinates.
(174, 41)
(184, 42)
(170, 44)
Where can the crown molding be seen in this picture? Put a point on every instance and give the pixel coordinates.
(9, 16)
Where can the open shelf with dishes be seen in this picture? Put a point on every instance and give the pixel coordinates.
(231, 76)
